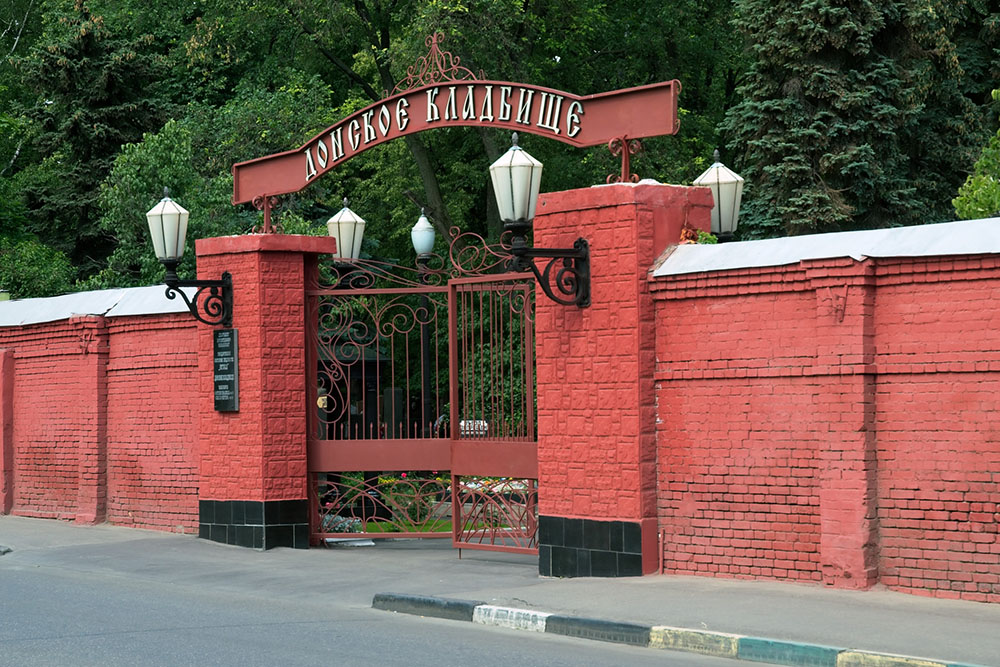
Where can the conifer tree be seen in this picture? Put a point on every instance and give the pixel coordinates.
(852, 114)
(94, 92)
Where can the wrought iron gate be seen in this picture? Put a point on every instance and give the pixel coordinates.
(424, 417)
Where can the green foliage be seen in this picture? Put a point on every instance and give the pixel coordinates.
(94, 91)
(192, 157)
(979, 196)
(706, 238)
(28, 267)
(851, 116)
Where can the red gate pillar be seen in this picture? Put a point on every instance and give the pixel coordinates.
(254, 484)
(596, 412)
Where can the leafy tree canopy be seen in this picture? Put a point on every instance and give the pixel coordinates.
(979, 196)
(847, 115)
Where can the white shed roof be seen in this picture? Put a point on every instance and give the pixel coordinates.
(110, 303)
(969, 237)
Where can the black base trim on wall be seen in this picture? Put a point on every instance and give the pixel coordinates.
(588, 548)
(254, 523)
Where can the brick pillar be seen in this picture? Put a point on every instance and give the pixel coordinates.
(596, 412)
(254, 484)
(91, 406)
(6, 431)
(848, 494)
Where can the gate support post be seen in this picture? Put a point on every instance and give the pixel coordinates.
(254, 481)
(596, 411)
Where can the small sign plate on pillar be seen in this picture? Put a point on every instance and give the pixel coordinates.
(226, 366)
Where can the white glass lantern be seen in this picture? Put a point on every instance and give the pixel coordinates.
(727, 191)
(516, 179)
(423, 235)
(348, 228)
(168, 223)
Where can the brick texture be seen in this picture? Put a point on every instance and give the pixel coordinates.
(152, 454)
(101, 421)
(259, 453)
(596, 404)
(832, 421)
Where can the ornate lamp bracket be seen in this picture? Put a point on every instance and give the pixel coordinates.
(571, 280)
(211, 304)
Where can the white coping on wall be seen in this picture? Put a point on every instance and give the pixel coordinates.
(968, 237)
(109, 303)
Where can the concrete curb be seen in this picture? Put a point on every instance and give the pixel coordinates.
(719, 644)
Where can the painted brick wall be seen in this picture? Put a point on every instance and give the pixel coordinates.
(596, 401)
(938, 395)
(833, 421)
(259, 453)
(152, 430)
(595, 394)
(102, 421)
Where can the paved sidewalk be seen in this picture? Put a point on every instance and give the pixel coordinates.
(943, 631)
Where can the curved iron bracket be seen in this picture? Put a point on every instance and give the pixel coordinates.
(217, 304)
(572, 280)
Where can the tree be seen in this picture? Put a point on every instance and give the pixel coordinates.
(979, 196)
(30, 268)
(192, 157)
(852, 116)
(94, 92)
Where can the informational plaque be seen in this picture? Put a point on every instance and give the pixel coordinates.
(227, 376)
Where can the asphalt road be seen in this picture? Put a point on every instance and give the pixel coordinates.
(62, 616)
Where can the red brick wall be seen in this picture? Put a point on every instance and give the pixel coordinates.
(259, 453)
(102, 421)
(833, 421)
(152, 429)
(596, 409)
(938, 395)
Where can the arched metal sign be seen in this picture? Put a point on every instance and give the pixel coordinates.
(439, 93)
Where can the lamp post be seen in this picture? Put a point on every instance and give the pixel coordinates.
(422, 236)
(516, 180)
(168, 222)
(727, 191)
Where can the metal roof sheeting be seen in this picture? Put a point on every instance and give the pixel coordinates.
(968, 237)
(109, 303)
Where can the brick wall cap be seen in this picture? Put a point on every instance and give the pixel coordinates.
(150, 300)
(646, 192)
(969, 237)
(226, 245)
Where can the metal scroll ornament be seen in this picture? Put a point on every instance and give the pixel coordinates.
(626, 148)
(572, 277)
(211, 304)
(266, 204)
(436, 66)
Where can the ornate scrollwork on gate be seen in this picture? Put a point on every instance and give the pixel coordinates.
(385, 506)
(414, 359)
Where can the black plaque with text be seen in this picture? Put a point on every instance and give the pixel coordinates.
(227, 377)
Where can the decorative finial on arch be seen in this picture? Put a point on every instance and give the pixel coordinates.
(435, 67)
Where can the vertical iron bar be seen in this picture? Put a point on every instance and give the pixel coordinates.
(437, 364)
(529, 364)
(482, 341)
(312, 382)
(425, 361)
(453, 348)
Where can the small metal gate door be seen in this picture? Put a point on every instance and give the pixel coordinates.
(424, 417)
(494, 450)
